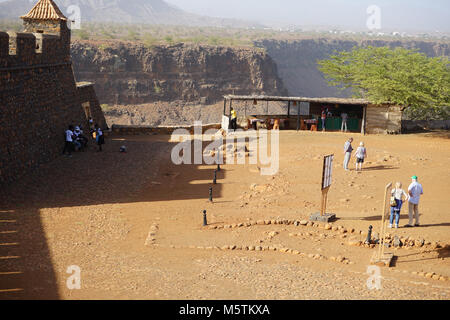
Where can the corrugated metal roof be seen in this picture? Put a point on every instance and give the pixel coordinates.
(299, 99)
(45, 10)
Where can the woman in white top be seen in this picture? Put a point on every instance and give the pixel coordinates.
(361, 154)
(398, 193)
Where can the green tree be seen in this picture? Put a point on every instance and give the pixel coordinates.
(399, 76)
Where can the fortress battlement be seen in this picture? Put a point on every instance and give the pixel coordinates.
(19, 49)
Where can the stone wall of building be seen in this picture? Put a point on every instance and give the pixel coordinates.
(39, 99)
(89, 102)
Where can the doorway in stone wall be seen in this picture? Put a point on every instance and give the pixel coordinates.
(87, 110)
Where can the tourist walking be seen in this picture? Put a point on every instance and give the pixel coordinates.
(361, 154)
(415, 190)
(399, 195)
(344, 117)
(347, 153)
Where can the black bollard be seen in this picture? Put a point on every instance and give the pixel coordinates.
(210, 194)
(218, 167)
(205, 223)
(369, 235)
(215, 177)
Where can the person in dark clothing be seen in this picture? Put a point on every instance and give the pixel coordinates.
(99, 137)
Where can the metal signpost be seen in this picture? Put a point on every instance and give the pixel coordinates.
(326, 184)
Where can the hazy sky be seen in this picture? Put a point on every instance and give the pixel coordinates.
(395, 14)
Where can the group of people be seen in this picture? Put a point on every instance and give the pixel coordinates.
(326, 113)
(361, 154)
(75, 140)
(398, 195)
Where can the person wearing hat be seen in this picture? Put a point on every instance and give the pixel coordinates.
(361, 154)
(415, 190)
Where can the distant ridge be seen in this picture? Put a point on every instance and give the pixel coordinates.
(125, 11)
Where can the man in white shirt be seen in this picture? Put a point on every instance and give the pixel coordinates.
(68, 145)
(415, 190)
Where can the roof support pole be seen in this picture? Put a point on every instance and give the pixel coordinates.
(298, 116)
(363, 124)
(289, 108)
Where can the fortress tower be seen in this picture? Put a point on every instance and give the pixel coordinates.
(46, 18)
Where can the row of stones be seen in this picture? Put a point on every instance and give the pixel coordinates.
(316, 256)
(429, 275)
(407, 242)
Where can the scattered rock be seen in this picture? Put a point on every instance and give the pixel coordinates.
(419, 243)
(354, 243)
(273, 233)
(429, 275)
(328, 226)
(397, 242)
(303, 222)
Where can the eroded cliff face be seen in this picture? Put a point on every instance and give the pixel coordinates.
(134, 74)
(297, 60)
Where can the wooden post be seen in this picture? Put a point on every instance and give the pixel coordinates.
(289, 108)
(224, 106)
(363, 124)
(323, 209)
(383, 224)
(298, 116)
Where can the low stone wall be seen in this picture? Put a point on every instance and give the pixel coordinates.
(143, 130)
(424, 125)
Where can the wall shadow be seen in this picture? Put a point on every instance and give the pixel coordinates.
(144, 173)
(26, 269)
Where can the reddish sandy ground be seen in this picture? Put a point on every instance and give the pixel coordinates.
(98, 211)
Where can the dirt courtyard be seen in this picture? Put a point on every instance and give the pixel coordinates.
(132, 223)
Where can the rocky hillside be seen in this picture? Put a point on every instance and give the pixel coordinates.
(124, 11)
(297, 60)
(135, 74)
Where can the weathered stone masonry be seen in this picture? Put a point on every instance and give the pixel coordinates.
(38, 98)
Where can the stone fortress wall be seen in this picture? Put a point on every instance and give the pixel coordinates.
(39, 99)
